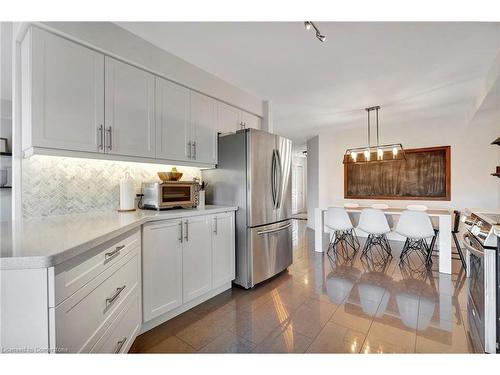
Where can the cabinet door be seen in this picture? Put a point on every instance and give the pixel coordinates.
(228, 118)
(172, 121)
(162, 268)
(203, 128)
(249, 120)
(222, 249)
(67, 93)
(196, 258)
(129, 106)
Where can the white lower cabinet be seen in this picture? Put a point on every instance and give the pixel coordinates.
(162, 263)
(184, 260)
(99, 301)
(196, 258)
(121, 334)
(223, 242)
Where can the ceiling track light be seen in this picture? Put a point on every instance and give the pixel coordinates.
(309, 24)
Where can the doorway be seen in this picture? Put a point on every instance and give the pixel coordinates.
(298, 186)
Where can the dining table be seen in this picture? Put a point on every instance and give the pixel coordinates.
(444, 225)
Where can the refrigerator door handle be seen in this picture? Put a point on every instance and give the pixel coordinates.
(273, 178)
(261, 232)
(280, 183)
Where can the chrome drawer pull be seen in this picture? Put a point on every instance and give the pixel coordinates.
(110, 300)
(113, 253)
(119, 345)
(186, 236)
(215, 225)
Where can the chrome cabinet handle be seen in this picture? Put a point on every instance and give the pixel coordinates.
(113, 253)
(119, 345)
(110, 145)
(189, 149)
(100, 129)
(186, 236)
(194, 150)
(274, 230)
(215, 225)
(110, 300)
(180, 231)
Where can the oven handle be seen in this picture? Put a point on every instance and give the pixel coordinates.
(472, 249)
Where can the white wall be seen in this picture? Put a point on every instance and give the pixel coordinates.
(472, 157)
(6, 110)
(312, 193)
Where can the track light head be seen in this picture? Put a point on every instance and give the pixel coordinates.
(310, 25)
(322, 38)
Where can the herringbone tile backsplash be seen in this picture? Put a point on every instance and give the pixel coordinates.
(58, 186)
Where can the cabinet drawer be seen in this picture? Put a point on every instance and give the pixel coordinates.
(82, 318)
(75, 273)
(121, 333)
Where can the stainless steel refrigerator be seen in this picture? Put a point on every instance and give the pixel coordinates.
(254, 173)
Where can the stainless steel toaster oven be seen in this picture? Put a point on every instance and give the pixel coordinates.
(170, 194)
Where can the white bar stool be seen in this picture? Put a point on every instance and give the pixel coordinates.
(374, 222)
(417, 227)
(343, 231)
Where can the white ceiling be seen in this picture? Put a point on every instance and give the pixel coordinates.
(411, 69)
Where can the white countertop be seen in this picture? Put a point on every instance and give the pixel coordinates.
(48, 241)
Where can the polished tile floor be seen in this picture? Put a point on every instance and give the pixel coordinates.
(336, 303)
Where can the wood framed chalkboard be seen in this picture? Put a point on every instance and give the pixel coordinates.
(424, 175)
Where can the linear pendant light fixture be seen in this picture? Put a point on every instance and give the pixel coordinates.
(309, 24)
(378, 153)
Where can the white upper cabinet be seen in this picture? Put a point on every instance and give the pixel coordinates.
(223, 261)
(203, 128)
(197, 258)
(250, 121)
(231, 119)
(129, 106)
(76, 101)
(228, 118)
(62, 93)
(172, 121)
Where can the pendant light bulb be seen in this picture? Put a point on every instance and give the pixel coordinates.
(395, 152)
(354, 156)
(367, 155)
(380, 154)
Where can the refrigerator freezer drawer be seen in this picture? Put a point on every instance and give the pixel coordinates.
(271, 249)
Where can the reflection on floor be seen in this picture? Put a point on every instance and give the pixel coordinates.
(342, 303)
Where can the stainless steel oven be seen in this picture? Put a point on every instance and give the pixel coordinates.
(482, 303)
